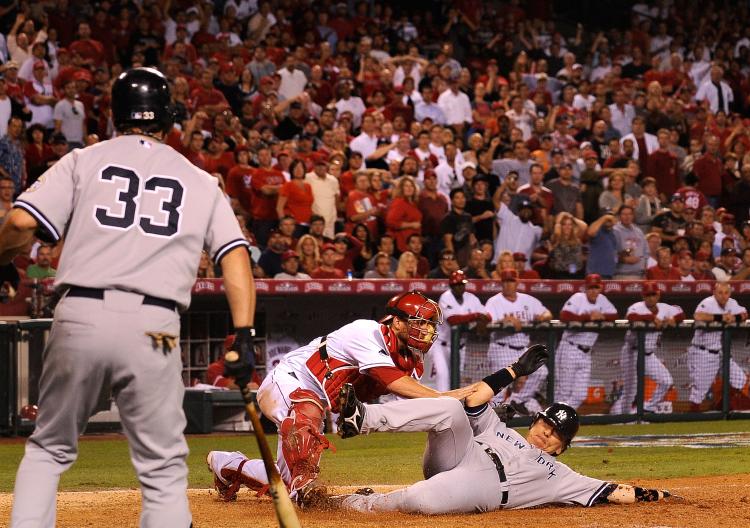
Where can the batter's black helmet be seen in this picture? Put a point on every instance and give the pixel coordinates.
(140, 98)
(563, 418)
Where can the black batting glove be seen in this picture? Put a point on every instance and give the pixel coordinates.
(241, 365)
(534, 357)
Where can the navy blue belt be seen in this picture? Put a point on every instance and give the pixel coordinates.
(98, 293)
(710, 351)
(500, 469)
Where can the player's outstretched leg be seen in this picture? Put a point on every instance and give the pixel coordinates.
(233, 469)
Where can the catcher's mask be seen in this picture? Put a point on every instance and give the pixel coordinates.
(563, 418)
(421, 315)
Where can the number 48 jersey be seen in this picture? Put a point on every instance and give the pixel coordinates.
(132, 195)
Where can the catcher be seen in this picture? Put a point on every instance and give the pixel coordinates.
(473, 461)
(377, 358)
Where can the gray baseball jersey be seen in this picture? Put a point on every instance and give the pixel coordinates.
(137, 197)
(461, 475)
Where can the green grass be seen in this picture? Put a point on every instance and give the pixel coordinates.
(396, 458)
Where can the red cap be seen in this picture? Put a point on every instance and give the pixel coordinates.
(702, 256)
(727, 218)
(39, 64)
(266, 80)
(289, 254)
(509, 275)
(520, 257)
(457, 277)
(589, 154)
(650, 287)
(593, 279)
(83, 75)
(685, 253)
(429, 173)
(327, 246)
(62, 51)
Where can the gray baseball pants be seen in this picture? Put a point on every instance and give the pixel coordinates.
(461, 477)
(91, 342)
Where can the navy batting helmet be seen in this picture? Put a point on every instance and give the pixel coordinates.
(141, 99)
(563, 418)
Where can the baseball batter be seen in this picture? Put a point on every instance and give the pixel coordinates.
(515, 310)
(135, 215)
(458, 307)
(704, 352)
(661, 315)
(377, 357)
(474, 462)
(573, 354)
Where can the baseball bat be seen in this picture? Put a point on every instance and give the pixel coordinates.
(282, 504)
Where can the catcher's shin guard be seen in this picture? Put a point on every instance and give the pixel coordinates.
(302, 443)
(234, 479)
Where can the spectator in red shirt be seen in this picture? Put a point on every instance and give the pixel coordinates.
(38, 153)
(519, 261)
(709, 168)
(361, 206)
(693, 197)
(434, 206)
(296, 197)
(266, 183)
(218, 156)
(91, 51)
(327, 268)
(664, 270)
(206, 98)
(404, 217)
(238, 183)
(662, 165)
(348, 248)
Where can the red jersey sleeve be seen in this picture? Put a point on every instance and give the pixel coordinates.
(386, 375)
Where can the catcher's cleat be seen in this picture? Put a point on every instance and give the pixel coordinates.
(364, 491)
(352, 413)
(234, 479)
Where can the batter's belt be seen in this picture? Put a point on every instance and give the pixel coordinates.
(98, 293)
(500, 470)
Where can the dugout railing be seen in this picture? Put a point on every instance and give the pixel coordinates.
(472, 358)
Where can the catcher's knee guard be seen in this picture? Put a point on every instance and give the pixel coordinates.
(301, 440)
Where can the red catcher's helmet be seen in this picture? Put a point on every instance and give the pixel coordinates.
(457, 277)
(422, 315)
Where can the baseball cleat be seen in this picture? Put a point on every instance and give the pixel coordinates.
(352, 413)
(235, 479)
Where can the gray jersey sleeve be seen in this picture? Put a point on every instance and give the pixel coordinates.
(482, 418)
(224, 233)
(50, 199)
(574, 488)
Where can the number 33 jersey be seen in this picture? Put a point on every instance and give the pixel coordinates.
(135, 215)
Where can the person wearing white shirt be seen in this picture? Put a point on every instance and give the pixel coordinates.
(293, 80)
(326, 192)
(718, 93)
(348, 102)
(622, 113)
(520, 117)
(638, 127)
(456, 106)
(517, 233)
(367, 142)
(242, 8)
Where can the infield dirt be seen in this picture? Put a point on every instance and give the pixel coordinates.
(722, 501)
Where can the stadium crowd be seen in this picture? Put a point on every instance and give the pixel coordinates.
(383, 139)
